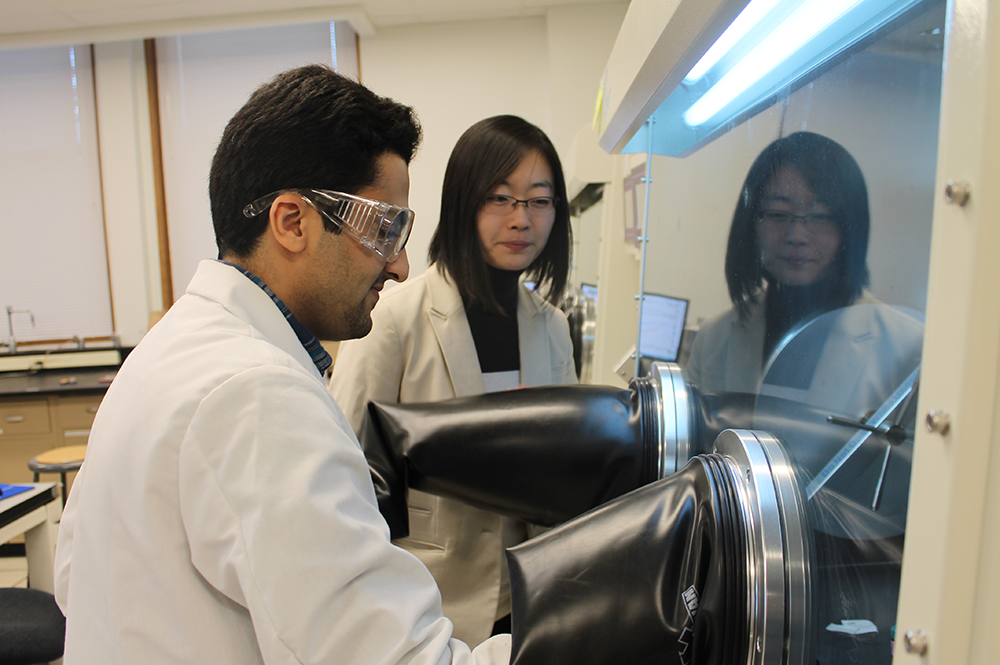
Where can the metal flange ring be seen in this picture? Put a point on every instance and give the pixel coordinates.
(779, 556)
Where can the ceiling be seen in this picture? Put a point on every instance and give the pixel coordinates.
(44, 22)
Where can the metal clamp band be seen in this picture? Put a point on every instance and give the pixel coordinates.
(779, 553)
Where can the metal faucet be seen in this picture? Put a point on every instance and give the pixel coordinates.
(12, 341)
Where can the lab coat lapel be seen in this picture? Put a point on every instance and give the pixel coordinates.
(248, 302)
(451, 328)
(536, 357)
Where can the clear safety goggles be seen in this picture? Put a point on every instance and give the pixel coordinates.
(379, 226)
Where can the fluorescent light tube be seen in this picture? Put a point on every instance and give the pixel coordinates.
(751, 15)
(810, 19)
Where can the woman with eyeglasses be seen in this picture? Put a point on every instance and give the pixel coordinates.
(469, 326)
(797, 248)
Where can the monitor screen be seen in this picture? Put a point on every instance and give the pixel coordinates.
(589, 291)
(662, 326)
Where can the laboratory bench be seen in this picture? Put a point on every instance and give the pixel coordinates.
(48, 400)
(33, 516)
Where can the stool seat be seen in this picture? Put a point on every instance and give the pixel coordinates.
(59, 460)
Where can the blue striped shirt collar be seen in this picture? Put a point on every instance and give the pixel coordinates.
(320, 357)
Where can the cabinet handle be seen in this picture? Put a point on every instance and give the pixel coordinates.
(91, 409)
(13, 419)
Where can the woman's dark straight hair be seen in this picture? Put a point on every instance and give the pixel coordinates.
(485, 155)
(836, 180)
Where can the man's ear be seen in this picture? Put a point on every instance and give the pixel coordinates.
(286, 222)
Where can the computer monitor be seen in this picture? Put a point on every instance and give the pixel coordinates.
(589, 291)
(663, 320)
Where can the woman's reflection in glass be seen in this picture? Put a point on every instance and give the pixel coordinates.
(797, 248)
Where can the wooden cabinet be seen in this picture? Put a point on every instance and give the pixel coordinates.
(75, 415)
(32, 425)
(24, 417)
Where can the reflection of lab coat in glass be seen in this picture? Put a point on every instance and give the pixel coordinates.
(225, 513)
(871, 348)
(421, 349)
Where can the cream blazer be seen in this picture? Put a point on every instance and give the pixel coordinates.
(421, 349)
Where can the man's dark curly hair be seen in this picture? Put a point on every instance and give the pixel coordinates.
(307, 127)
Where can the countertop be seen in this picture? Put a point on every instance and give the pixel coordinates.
(85, 379)
(62, 373)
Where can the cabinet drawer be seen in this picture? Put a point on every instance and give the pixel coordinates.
(24, 417)
(77, 412)
(15, 453)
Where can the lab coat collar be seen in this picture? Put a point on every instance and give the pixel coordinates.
(225, 285)
(319, 355)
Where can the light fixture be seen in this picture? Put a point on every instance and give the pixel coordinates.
(770, 49)
(751, 16)
(804, 24)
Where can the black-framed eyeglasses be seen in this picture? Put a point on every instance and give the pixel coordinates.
(502, 204)
(381, 227)
(783, 220)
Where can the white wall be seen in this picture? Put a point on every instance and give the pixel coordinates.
(545, 69)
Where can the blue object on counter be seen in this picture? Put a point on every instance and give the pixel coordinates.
(11, 490)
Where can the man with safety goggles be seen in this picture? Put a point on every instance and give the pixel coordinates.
(340, 289)
(225, 512)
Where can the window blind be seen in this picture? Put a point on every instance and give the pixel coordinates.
(203, 80)
(53, 258)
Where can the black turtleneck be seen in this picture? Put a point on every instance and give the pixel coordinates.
(495, 334)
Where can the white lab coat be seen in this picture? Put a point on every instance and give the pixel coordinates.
(225, 512)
